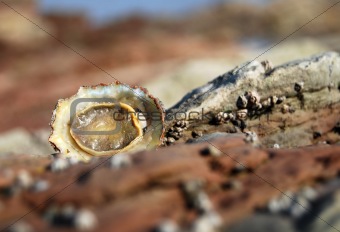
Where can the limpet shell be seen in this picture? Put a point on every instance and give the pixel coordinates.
(104, 120)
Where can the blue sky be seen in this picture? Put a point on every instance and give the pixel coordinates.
(102, 10)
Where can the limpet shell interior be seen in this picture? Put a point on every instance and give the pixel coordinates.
(104, 120)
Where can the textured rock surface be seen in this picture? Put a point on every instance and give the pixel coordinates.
(224, 180)
(140, 196)
(302, 117)
(317, 73)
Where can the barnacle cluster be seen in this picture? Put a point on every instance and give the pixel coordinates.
(248, 105)
(175, 132)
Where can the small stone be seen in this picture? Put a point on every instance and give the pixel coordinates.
(276, 146)
(167, 226)
(121, 160)
(40, 186)
(267, 66)
(211, 150)
(285, 108)
(281, 204)
(300, 207)
(59, 164)
(251, 137)
(209, 222)
(20, 226)
(237, 185)
(309, 193)
(203, 203)
(24, 179)
(193, 186)
(85, 220)
(73, 160)
(191, 190)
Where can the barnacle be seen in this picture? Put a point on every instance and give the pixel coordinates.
(105, 120)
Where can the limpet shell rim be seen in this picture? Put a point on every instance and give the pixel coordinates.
(156, 101)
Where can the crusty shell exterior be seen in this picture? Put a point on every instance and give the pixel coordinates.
(61, 138)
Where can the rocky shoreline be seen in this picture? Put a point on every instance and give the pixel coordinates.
(260, 166)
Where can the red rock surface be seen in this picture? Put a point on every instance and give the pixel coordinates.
(139, 197)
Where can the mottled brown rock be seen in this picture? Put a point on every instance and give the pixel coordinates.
(139, 197)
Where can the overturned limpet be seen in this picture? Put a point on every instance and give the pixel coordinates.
(104, 120)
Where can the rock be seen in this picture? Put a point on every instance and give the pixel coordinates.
(20, 141)
(263, 223)
(302, 85)
(316, 72)
(85, 220)
(154, 184)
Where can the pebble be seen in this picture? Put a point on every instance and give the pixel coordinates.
(285, 109)
(309, 193)
(59, 164)
(40, 186)
(300, 207)
(85, 220)
(120, 161)
(251, 137)
(211, 150)
(20, 226)
(24, 179)
(167, 226)
(276, 146)
(209, 222)
(267, 66)
(73, 160)
(281, 204)
(203, 203)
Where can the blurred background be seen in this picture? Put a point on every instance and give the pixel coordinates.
(50, 48)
